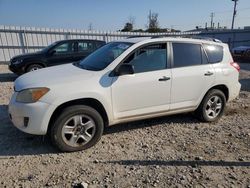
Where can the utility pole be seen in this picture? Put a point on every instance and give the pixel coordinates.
(234, 13)
(212, 19)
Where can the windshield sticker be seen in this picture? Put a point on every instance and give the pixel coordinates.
(123, 46)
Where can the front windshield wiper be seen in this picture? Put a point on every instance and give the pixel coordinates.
(86, 67)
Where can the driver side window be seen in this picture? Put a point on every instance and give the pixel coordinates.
(64, 48)
(149, 58)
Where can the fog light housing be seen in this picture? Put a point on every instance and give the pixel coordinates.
(25, 121)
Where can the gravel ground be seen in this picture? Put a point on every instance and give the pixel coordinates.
(173, 151)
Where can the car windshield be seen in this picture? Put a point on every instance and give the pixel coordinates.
(105, 55)
(49, 47)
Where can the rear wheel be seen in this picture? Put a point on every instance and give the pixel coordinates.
(212, 106)
(33, 67)
(77, 128)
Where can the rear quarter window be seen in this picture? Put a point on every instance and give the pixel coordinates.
(214, 53)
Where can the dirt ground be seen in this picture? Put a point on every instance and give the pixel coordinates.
(173, 151)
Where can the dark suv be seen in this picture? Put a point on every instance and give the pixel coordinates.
(241, 53)
(57, 53)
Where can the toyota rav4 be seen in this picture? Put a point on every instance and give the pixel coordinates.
(124, 81)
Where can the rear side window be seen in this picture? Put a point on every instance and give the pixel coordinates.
(187, 54)
(85, 46)
(214, 53)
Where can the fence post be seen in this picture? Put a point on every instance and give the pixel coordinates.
(67, 36)
(21, 41)
(104, 37)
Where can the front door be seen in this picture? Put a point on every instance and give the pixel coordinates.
(147, 91)
(62, 53)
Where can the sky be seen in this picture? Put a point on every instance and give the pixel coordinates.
(111, 15)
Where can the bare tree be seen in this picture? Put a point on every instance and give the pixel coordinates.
(153, 24)
(129, 25)
(131, 20)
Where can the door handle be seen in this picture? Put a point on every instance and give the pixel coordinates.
(208, 73)
(164, 78)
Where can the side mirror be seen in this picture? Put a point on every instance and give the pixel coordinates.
(124, 69)
(52, 52)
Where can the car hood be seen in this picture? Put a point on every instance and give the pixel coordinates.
(49, 77)
(28, 55)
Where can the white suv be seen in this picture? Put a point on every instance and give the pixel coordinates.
(123, 81)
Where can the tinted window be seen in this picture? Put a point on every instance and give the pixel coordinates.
(85, 46)
(105, 55)
(204, 57)
(99, 44)
(214, 53)
(64, 48)
(149, 58)
(186, 54)
(49, 47)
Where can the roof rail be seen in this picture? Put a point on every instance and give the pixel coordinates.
(204, 38)
(138, 36)
(179, 36)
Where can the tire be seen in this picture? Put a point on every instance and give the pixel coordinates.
(73, 131)
(208, 103)
(33, 67)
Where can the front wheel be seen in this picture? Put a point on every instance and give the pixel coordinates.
(34, 67)
(212, 106)
(77, 128)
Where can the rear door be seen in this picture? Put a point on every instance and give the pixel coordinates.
(192, 75)
(84, 48)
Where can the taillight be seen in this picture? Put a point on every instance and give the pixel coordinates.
(235, 65)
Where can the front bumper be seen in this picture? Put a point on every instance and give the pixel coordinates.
(38, 116)
(16, 69)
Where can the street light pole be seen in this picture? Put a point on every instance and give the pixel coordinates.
(234, 13)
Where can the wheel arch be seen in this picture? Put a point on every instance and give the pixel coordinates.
(33, 63)
(94, 103)
(222, 88)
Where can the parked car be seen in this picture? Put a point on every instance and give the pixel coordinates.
(57, 53)
(241, 53)
(124, 81)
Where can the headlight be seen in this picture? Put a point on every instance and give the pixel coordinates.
(17, 61)
(31, 95)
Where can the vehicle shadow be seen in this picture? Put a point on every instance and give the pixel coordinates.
(14, 142)
(166, 120)
(8, 77)
(181, 163)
